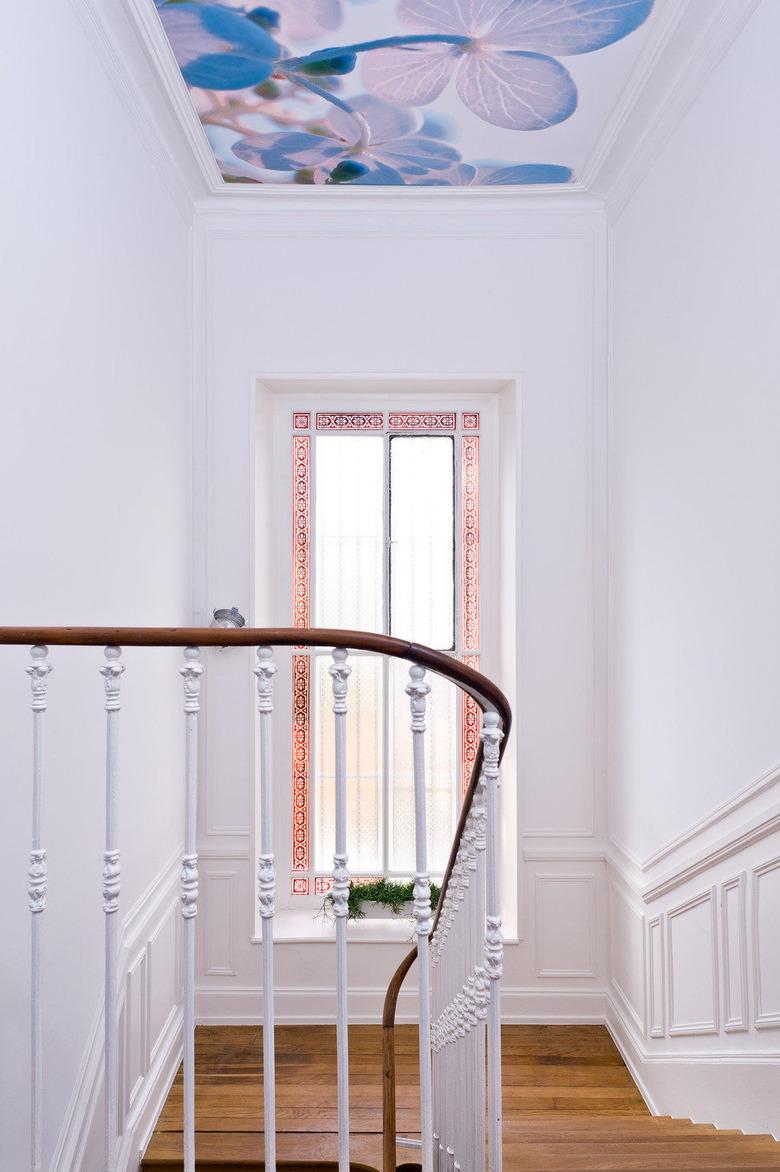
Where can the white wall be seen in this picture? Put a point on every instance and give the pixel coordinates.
(95, 472)
(695, 477)
(694, 736)
(420, 293)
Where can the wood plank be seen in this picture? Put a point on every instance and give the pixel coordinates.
(569, 1102)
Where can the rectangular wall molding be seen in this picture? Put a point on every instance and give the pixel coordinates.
(692, 966)
(565, 915)
(219, 896)
(734, 962)
(656, 977)
(766, 944)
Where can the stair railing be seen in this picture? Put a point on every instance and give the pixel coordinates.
(458, 953)
(464, 952)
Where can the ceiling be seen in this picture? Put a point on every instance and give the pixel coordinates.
(467, 93)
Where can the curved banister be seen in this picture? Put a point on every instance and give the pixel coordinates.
(485, 693)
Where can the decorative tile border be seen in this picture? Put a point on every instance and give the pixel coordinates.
(300, 886)
(300, 762)
(470, 728)
(421, 420)
(301, 420)
(301, 468)
(350, 421)
(470, 420)
(470, 541)
(322, 885)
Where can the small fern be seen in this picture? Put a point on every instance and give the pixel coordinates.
(387, 892)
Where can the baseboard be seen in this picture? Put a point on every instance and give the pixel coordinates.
(701, 1085)
(308, 1006)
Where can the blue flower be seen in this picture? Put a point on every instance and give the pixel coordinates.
(501, 54)
(376, 144)
(518, 174)
(218, 49)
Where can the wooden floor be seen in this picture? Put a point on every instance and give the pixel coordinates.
(569, 1104)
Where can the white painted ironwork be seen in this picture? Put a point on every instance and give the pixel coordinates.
(467, 958)
(265, 670)
(491, 737)
(191, 671)
(417, 689)
(37, 877)
(340, 671)
(111, 671)
(460, 962)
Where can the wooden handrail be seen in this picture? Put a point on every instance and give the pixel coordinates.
(486, 694)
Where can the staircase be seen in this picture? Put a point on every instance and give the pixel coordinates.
(569, 1104)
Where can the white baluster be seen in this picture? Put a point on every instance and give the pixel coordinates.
(481, 980)
(111, 671)
(340, 672)
(417, 689)
(491, 737)
(266, 894)
(191, 672)
(38, 672)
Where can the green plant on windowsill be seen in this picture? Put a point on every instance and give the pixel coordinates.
(388, 893)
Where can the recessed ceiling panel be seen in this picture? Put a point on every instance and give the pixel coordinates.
(404, 92)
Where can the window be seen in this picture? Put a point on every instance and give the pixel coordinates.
(385, 538)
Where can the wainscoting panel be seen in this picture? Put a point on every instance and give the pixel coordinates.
(627, 955)
(149, 1017)
(136, 1029)
(656, 978)
(708, 958)
(692, 966)
(219, 898)
(766, 944)
(565, 925)
(733, 918)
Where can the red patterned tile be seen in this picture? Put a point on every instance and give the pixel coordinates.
(470, 540)
(350, 420)
(421, 420)
(301, 551)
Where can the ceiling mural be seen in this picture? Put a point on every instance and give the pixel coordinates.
(401, 92)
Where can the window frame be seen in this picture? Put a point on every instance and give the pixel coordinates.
(392, 417)
(272, 398)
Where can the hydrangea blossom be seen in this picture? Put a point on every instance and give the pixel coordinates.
(378, 144)
(502, 54)
(218, 49)
(521, 174)
(301, 20)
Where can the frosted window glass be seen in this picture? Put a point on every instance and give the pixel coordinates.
(441, 771)
(364, 765)
(349, 474)
(422, 591)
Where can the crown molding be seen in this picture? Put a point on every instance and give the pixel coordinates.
(152, 38)
(661, 32)
(690, 41)
(124, 58)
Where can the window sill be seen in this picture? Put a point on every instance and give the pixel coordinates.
(306, 926)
